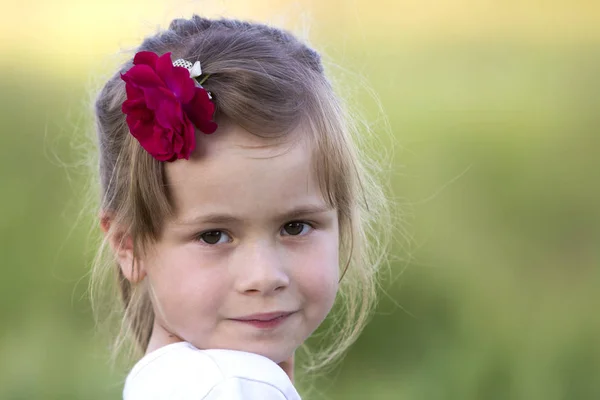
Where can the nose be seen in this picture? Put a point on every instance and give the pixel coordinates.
(261, 270)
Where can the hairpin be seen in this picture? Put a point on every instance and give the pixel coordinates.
(165, 103)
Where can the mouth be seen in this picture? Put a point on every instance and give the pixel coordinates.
(265, 321)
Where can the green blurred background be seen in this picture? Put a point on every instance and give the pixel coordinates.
(493, 107)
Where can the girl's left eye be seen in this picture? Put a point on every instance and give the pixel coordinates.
(296, 228)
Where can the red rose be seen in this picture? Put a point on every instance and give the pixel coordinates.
(163, 105)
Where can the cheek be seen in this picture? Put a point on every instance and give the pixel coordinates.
(319, 272)
(182, 279)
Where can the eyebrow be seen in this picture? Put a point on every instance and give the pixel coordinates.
(223, 218)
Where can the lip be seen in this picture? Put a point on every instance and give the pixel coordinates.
(265, 320)
(265, 317)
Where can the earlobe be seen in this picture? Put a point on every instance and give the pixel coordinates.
(105, 220)
(131, 267)
(122, 246)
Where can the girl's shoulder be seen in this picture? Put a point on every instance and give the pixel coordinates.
(181, 371)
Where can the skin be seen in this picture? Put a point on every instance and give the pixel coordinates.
(276, 248)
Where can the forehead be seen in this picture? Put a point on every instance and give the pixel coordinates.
(236, 172)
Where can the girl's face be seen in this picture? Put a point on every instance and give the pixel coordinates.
(250, 260)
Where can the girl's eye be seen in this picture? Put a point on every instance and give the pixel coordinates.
(295, 228)
(214, 237)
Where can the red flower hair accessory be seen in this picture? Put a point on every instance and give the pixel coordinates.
(164, 104)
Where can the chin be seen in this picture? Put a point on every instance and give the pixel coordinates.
(277, 356)
(275, 353)
(277, 350)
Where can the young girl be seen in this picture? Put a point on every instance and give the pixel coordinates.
(234, 206)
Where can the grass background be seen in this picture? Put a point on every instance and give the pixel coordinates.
(494, 111)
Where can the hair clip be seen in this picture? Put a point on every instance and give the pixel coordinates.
(164, 104)
(195, 68)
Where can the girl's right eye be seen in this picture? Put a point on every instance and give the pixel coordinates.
(214, 237)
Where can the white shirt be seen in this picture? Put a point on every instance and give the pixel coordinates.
(179, 371)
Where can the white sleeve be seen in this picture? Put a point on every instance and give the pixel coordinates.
(244, 389)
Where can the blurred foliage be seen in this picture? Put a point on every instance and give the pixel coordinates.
(493, 290)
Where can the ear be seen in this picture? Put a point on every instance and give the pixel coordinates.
(122, 246)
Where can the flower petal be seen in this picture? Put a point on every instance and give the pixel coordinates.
(132, 91)
(178, 144)
(159, 145)
(189, 138)
(169, 114)
(177, 79)
(140, 130)
(146, 58)
(200, 111)
(154, 96)
(142, 76)
(136, 108)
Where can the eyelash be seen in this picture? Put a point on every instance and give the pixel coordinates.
(202, 240)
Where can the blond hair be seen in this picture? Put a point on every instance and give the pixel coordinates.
(268, 82)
